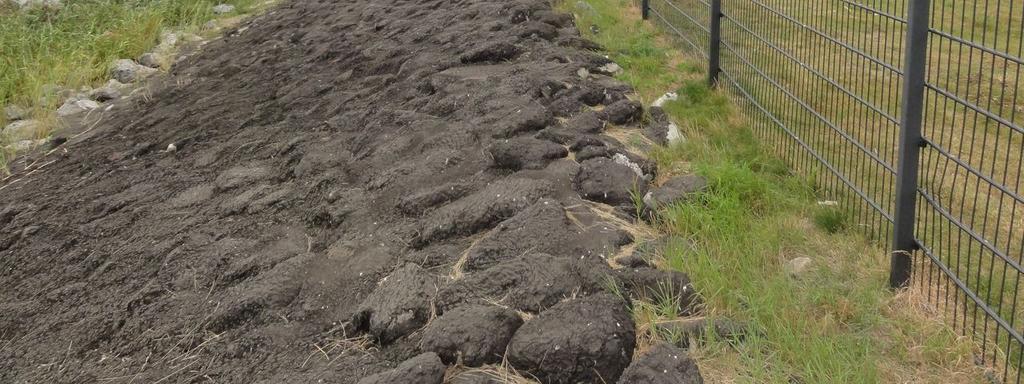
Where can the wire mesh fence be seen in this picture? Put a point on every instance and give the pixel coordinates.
(909, 114)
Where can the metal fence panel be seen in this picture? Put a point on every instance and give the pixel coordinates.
(910, 114)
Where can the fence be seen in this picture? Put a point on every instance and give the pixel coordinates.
(906, 112)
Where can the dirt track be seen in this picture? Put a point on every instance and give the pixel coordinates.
(346, 174)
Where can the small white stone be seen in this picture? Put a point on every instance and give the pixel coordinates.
(797, 266)
(221, 9)
(171, 147)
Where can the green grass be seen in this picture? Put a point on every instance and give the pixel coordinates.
(835, 323)
(74, 46)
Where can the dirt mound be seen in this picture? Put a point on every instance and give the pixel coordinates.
(318, 151)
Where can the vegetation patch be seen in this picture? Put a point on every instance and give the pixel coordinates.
(829, 319)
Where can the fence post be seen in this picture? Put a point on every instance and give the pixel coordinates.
(645, 7)
(914, 77)
(715, 38)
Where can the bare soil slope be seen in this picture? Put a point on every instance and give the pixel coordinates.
(345, 174)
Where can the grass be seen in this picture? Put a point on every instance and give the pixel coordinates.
(836, 322)
(73, 47)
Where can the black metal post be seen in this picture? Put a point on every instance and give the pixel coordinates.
(645, 7)
(914, 78)
(714, 51)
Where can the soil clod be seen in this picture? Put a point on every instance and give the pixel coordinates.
(589, 339)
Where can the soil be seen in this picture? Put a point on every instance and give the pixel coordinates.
(341, 175)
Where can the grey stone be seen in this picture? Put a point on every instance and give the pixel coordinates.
(609, 69)
(75, 106)
(675, 190)
(104, 94)
(127, 71)
(15, 113)
(22, 129)
(797, 266)
(221, 9)
(150, 60)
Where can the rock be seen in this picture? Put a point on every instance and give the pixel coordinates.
(74, 107)
(657, 128)
(22, 129)
(676, 190)
(127, 71)
(221, 9)
(610, 69)
(623, 112)
(398, 306)
(622, 159)
(15, 113)
(658, 285)
(586, 122)
(592, 151)
(583, 73)
(663, 99)
(476, 334)
(150, 60)
(605, 181)
(425, 368)
(797, 266)
(107, 93)
(525, 153)
(211, 25)
(589, 339)
(530, 283)
(662, 364)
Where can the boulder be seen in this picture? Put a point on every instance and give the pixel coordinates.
(605, 181)
(589, 340)
(662, 364)
(75, 106)
(676, 190)
(150, 60)
(127, 71)
(22, 129)
(476, 334)
(15, 113)
(623, 112)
